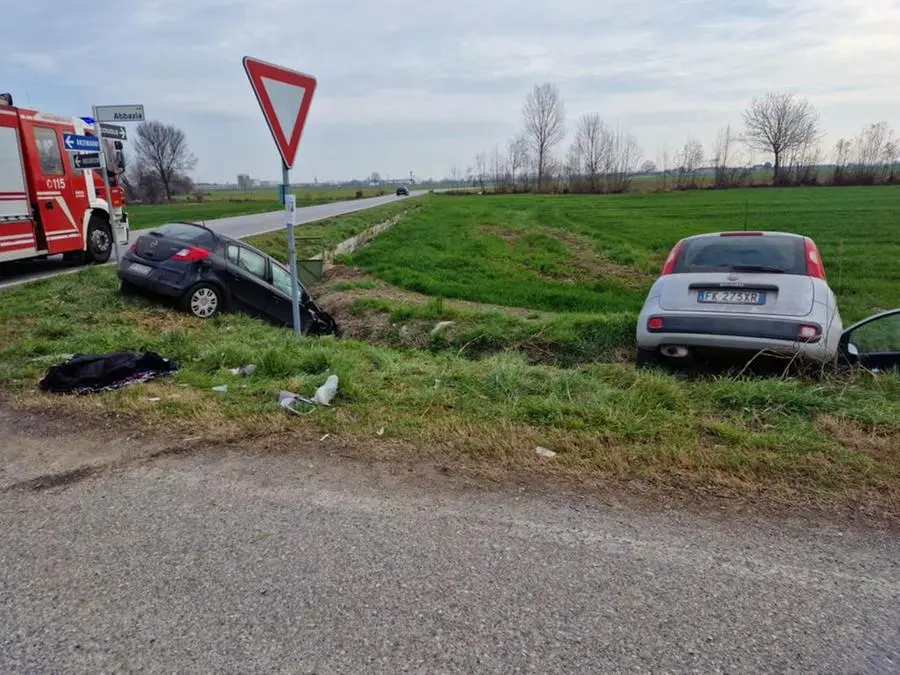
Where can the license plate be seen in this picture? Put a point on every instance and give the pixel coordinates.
(137, 268)
(732, 297)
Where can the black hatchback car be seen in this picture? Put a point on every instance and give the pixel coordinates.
(211, 273)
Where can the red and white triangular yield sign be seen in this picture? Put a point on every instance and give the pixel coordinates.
(284, 96)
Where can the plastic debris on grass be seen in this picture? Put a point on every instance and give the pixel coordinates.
(323, 397)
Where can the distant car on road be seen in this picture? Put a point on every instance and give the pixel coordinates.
(402, 190)
(211, 273)
(751, 292)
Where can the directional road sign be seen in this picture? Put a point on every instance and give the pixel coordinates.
(89, 160)
(77, 143)
(113, 131)
(119, 113)
(284, 96)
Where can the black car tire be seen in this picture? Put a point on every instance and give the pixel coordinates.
(99, 240)
(647, 358)
(203, 301)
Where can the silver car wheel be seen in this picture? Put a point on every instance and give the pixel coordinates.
(204, 302)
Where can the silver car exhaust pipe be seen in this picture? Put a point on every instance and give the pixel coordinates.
(675, 351)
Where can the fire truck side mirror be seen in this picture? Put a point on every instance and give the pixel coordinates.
(120, 160)
(118, 145)
(6, 99)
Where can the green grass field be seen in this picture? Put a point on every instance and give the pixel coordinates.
(477, 390)
(601, 253)
(312, 238)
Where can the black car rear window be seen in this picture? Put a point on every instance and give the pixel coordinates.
(716, 254)
(192, 234)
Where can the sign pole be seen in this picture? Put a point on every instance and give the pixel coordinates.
(108, 192)
(290, 204)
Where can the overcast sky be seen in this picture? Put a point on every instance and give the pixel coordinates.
(419, 86)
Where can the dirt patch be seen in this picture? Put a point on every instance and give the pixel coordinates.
(367, 325)
(585, 262)
(341, 273)
(507, 235)
(375, 325)
(589, 264)
(881, 443)
(328, 290)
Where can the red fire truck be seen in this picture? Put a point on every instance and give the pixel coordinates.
(47, 205)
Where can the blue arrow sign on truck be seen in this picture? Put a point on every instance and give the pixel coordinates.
(77, 143)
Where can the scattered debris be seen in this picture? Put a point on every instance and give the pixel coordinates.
(246, 371)
(324, 437)
(221, 388)
(380, 432)
(286, 399)
(326, 392)
(323, 396)
(440, 326)
(154, 399)
(91, 373)
(544, 452)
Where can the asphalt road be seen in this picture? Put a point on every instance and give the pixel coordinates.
(16, 274)
(237, 561)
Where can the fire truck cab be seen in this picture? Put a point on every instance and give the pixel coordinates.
(47, 205)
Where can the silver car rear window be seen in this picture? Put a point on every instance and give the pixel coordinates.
(717, 254)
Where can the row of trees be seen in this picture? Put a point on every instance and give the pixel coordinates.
(600, 158)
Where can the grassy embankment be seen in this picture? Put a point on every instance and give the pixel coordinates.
(835, 441)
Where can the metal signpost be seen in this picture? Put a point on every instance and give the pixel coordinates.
(290, 205)
(113, 113)
(284, 96)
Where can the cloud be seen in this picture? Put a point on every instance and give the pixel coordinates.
(454, 75)
(33, 61)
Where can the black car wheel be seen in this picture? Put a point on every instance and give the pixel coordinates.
(203, 301)
(99, 240)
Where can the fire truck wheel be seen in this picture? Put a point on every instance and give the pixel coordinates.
(203, 301)
(99, 240)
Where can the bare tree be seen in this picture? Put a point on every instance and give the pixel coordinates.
(841, 174)
(780, 124)
(875, 153)
(455, 174)
(727, 160)
(517, 153)
(591, 147)
(892, 159)
(662, 178)
(648, 167)
(480, 168)
(689, 160)
(163, 149)
(498, 172)
(721, 156)
(803, 164)
(624, 154)
(545, 122)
